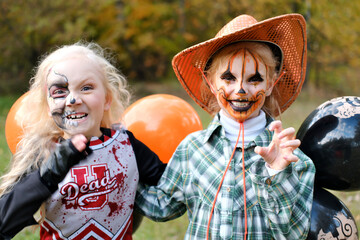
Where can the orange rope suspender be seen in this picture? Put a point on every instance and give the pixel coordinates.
(244, 170)
(241, 131)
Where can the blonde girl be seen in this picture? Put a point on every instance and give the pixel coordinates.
(40, 128)
(84, 172)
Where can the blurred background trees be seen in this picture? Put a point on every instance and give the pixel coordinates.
(144, 35)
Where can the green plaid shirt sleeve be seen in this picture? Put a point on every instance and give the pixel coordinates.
(278, 207)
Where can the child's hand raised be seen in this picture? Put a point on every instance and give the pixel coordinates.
(67, 154)
(279, 154)
(79, 141)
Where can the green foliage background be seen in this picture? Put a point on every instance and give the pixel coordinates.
(146, 34)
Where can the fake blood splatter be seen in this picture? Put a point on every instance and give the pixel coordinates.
(113, 150)
(125, 142)
(120, 178)
(115, 208)
(69, 204)
(64, 218)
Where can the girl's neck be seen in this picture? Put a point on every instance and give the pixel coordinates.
(253, 127)
(98, 135)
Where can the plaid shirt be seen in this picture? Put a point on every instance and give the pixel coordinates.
(278, 207)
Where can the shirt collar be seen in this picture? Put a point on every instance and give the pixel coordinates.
(213, 126)
(106, 135)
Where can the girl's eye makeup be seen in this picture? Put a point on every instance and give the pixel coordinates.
(256, 78)
(58, 85)
(58, 92)
(228, 76)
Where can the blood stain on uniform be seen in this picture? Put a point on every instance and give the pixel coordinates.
(68, 204)
(113, 150)
(126, 142)
(115, 208)
(120, 178)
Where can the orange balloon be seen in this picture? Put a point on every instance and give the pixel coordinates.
(13, 128)
(162, 121)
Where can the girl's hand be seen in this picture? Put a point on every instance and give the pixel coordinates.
(279, 154)
(79, 141)
(65, 155)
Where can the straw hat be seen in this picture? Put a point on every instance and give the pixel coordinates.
(287, 32)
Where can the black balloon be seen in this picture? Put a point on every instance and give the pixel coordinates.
(330, 218)
(330, 136)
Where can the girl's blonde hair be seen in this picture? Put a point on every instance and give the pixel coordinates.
(221, 57)
(40, 130)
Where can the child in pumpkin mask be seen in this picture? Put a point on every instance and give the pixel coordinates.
(244, 176)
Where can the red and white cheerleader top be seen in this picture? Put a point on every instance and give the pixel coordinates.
(96, 198)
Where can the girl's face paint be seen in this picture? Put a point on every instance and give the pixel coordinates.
(57, 91)
(241, 85)
(77, 97)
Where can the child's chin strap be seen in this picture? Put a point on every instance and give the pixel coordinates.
(280, 76)
(207, 81)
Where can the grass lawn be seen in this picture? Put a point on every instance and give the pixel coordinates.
(308, 100)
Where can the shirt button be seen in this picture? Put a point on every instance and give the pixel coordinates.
(228, 189)
(268, 181)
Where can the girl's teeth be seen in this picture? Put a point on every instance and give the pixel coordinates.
(76, 116)
(240, 104)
